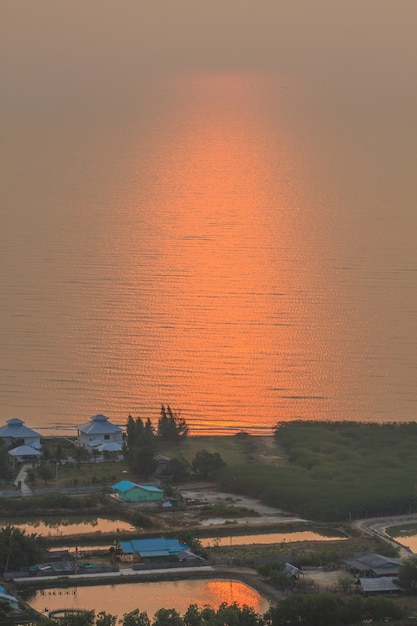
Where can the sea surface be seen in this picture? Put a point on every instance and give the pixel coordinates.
(238, 242)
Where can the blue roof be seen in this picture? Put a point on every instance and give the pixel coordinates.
(99, 425)
(159, 546)
(150, 488)
(15, 429)
(124, 485)
(127, 485)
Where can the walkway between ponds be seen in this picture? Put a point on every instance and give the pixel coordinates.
(128, 571)
(21, 478)
(378, 525)
(246, 575)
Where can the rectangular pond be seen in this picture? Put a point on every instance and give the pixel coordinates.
(119, 599)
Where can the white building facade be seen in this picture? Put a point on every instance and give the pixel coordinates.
(99, 433)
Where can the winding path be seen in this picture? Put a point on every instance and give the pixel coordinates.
(378, 525)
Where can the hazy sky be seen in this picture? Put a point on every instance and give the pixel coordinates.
(53, 50)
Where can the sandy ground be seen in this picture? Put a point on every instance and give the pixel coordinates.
(322, 578)
(207, 494)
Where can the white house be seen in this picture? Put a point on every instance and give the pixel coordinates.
(14, 434)
(99, 431)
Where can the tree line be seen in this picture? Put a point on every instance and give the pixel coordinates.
(336, 470)
(142, 441)
(296, 610)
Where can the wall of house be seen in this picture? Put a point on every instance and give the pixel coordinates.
(85, 439)
(137, 495)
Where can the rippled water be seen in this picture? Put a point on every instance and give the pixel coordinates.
(405, 537)
(235, 243)
(149, 597)
(64, 528)
(268, 538)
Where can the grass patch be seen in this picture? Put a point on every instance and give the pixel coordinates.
(222, 509)
(85, 474)
(403, 530)
(233, 449)
(336, 471)
(300, 553)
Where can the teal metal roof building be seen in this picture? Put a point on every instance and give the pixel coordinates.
(131, 492)
(153, 548)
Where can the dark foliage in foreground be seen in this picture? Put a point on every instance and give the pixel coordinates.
(295, 610)
(336, 471)
(407, 575)
(18, 549)
(6, 470)
(48, 502)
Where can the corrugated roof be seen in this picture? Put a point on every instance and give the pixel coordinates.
(5, 597)
(110, 446)
(151, 488)
(24, 451)
(369, 560)
(385, 583)
(124, 485)
(99, 424)
(127, 485)
(15, 429)
(159, 546)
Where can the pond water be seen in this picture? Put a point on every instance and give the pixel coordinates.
(65, 528)
(246, 540)
(149, 597)
(406, 537)
(242, 540)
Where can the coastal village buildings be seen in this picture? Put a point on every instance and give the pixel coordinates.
(150, 549)
(14, 433)
(376, 574)
(23, 443)
(371, 565)
(131, 492)
(100, 434)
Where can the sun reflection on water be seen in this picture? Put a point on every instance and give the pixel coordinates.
(221, 192)
(149, 597)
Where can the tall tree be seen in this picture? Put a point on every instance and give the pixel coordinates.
(142, 462)
(5, 462)
(19, 549)
(407, 575)
(206, 464)
(171, 426)
(139, 433)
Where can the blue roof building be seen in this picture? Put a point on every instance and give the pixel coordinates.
(98, 431)
(152, 548)
(14, 433)
(131, 492)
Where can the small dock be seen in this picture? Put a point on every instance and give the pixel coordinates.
(61, 614)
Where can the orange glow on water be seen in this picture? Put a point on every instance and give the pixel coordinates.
(231, 592)
(213, 288)
(225, 264)
(149, 597)
(65, 529)
(266, 539)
